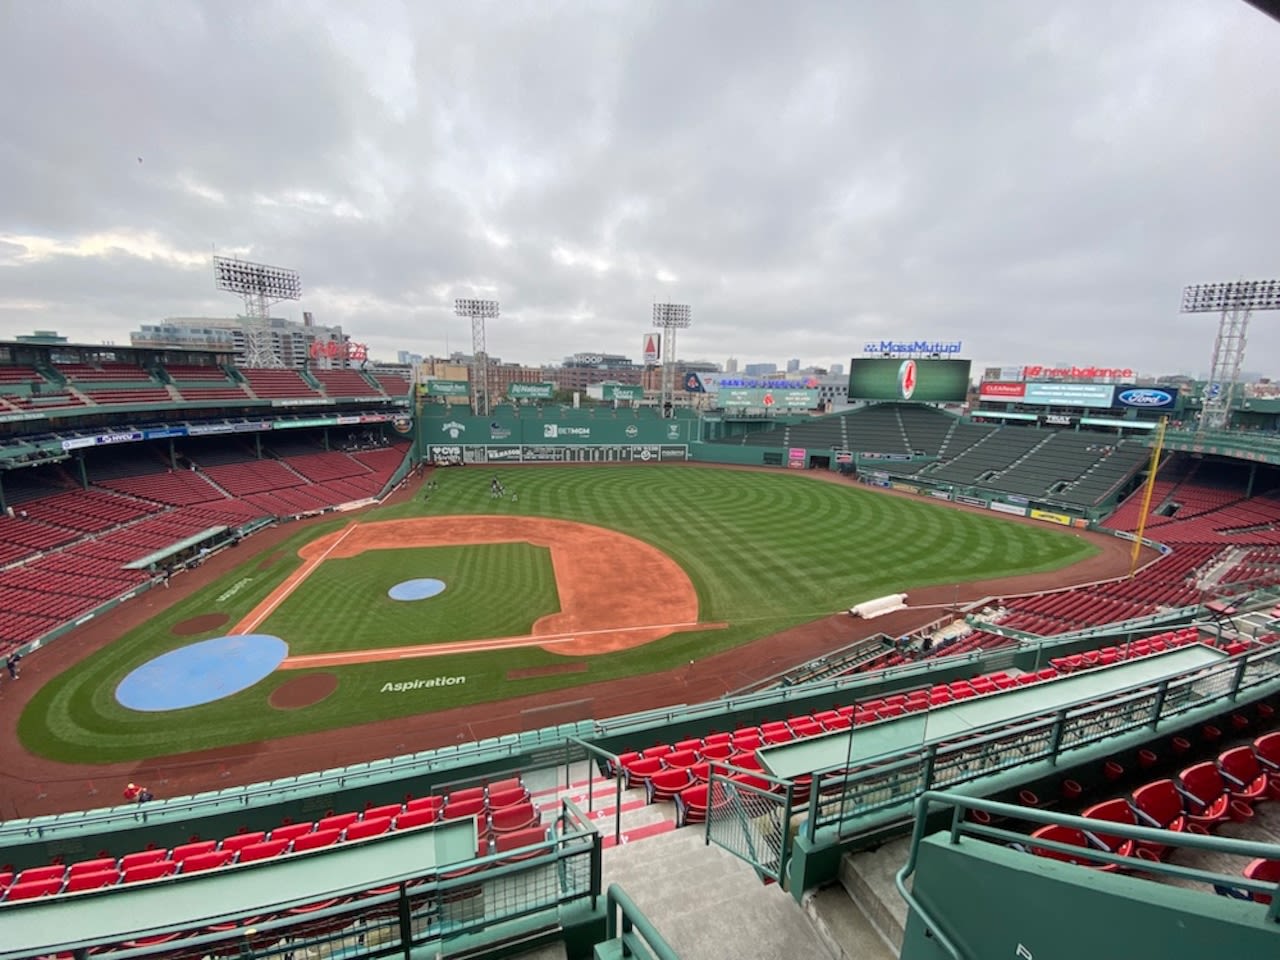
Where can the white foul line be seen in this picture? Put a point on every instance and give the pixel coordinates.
(298, 579)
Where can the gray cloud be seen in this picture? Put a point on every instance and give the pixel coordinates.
(1036, 180)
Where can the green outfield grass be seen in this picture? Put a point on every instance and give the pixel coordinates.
(765, 551)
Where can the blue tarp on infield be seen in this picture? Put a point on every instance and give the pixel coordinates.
(416, 589)
(201, 672)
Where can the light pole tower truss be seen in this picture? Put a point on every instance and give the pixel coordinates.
(478, 311)
(1234, 301)
(260, 286)
(670, 317)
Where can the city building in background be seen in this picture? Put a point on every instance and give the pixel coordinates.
(291, 340)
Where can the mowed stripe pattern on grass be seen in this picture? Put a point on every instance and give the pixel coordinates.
(765, 551)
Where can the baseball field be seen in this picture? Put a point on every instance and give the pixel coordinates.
(574, 575)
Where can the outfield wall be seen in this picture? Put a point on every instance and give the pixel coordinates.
(554, 434)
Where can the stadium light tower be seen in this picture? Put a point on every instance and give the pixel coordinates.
(1234, 301)
(478, 311)
(260, 286)
(670, 317)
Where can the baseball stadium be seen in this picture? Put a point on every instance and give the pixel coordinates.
(330, 662)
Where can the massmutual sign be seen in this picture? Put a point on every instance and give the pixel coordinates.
(912, 346)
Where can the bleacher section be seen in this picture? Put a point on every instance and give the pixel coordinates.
(204, 384)
(345, 383)
(272, 384)
(393, 384)
(62, 553)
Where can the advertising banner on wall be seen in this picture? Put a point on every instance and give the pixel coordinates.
(1146, 398)
(1006, 390)
(1093, 395)
(622, 391)
(1061, 518)
(768, 399)
(531, 391)
(928, 381)
(447, 388)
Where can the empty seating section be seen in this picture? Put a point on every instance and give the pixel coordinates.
(506, 817)
(62, 553)
(102, 373)
(1198, 799)
(680, 771)
(926, 428)
(345, 383)
(993, 453)
(392, 384)
(271, 384)
(175, 487)
(110, 383)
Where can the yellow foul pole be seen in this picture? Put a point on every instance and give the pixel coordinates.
(1152, 468)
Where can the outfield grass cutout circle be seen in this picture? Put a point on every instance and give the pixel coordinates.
(199, 624)
(421, 589)
(201, 672)
(304, 690)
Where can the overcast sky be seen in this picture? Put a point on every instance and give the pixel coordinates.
(1036, 179)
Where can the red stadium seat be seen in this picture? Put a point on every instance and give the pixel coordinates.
(32, 889)
(241, 840)
(289, 831)
(338, 821)
(1114, 811)
(152, 870)
(50, 872)
(199, 862)
(507, 797)
(316, 840)
(264, 850)
(1244, 776)
(522, 816)
(425, 803)
(1072, 836)
(416, 818)
(386, 810)
(180, 853)
(90, 866)
(92, 880)
(368, 828)
(518, 839)
(666, 784)
(141, 857)
(1268, 871)
(691, 804)
(1158, 805)
(1205, 793)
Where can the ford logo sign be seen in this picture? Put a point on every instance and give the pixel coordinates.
(1146, 398)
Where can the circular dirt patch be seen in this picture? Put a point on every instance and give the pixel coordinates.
(267, 562)
(201, 624)
(303, 691)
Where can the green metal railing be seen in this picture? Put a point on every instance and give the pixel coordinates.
(751, 820)
(839, 797)
(410, 911)
(960, 827)
(624, 921)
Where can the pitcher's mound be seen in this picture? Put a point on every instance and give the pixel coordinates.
(201, 624)
(303, 691)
